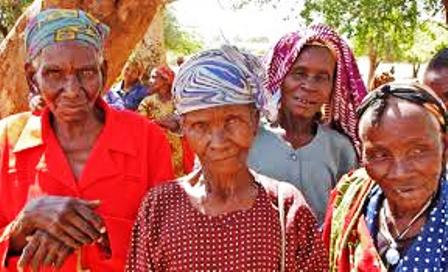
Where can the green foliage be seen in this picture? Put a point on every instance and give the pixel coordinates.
(433, 7)
(391, 30)
(177, 39)
(429, 39)
(385, 28)
(10, 10)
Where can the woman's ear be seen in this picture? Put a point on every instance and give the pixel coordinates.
(255, 116)
(104, 69)
(181, 121)
(30, 71)
(445, 146)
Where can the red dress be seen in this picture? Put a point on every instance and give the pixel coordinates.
(171, 235)
(130, 156)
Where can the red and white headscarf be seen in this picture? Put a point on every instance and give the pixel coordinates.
(348, 88)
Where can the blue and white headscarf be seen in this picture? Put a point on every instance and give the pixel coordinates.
(218, 77)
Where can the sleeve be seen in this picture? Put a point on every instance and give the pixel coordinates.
(108, 97)
(326, 231)
(142, 238)
(5, 226)
(6, 260)
(311, 254)
(160, 163)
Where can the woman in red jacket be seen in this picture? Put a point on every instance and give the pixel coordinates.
(71, 178)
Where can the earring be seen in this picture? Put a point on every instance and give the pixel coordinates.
(34, 89)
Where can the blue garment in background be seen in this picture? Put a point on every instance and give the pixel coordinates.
(117, 98)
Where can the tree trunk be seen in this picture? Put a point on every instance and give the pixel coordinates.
(373, 64)
(151, 50)
(3, 30)
(445, 5)
(128, 20)
(415, 69)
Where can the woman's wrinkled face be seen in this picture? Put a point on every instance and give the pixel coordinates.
(309, 83)
(404, 152)
(221, 136)
(70, 77)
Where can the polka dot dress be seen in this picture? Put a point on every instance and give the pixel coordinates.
(172, 235)
(429, 250)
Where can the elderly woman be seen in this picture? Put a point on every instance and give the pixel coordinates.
(391, 213)
(72, 178)
(224, 216)
(159, 107)
(317, 87)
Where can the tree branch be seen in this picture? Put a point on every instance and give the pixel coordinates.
(3, 30)
(445, 5)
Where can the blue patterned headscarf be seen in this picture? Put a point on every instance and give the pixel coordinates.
(60, 25)
(219, 77)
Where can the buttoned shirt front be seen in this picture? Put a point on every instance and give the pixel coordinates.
(130, 156)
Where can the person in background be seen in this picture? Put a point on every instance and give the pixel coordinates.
(130, 91)
(72, 177)
(436, 74)
(391, 213)
(316, 87)
(159, 107)
(224, 217)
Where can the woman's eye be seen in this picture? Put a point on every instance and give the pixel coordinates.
(88, 73)
(299, 74)
(53, 74)
(416, 152)
(232, 121)
(199, 126)
(377, 156)
(322, 78)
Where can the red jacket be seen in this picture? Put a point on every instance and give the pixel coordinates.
(130, 156)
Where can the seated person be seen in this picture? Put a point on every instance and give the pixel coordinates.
(130, 91)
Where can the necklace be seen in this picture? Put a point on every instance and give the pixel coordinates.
(392, 253)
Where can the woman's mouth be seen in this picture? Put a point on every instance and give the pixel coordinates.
(303, 102)
(405, 189)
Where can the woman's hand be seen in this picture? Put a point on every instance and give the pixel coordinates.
(72, 221)
(43, 250)
(36, 103)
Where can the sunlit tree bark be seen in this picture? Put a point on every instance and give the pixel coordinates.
(128, 20)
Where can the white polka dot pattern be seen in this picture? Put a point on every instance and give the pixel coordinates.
(171, 235)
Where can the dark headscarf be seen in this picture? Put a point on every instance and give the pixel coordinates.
(412, 92)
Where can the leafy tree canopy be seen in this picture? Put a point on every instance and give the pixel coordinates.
(177, 39)
(10, 10)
